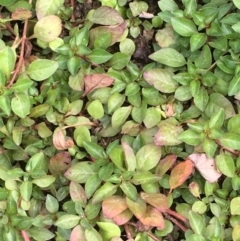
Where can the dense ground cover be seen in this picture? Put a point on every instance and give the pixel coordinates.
(119, 120)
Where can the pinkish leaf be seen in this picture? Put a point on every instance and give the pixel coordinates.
(194, 189)
(130, 158)
(61, 141)
(113, 206)
(60, 162)
(153, 218)
(95, 81)
(123, 217)
(206, 166)
(77, 234)
(77, 193)
(165, 164)
(157, 200)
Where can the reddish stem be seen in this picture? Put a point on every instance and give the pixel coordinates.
(175, 221)
(176, 215)
(25, 235)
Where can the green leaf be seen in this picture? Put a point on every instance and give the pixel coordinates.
(209, 147)
(40, 234)
(108, 230)
(52, 204)
(45, 7)
(7, 59)
(103, 41)
(218, 101)
(67, 221)
(138, 7)
(169, 57)
(204, 61)
(26, 190)
(81, 134)
(130, 190)
(234, 206)
(44, 181)
(42, 69)
(21, 105)
(197, 40)
(152, 117)
(144, 177)
(5, 104)
(92, 234)
(217, 119)
(92, 184)
(230, 140)
(99, 56)
(95, 109)
(73, 64)
(119, 60)
(39, 110)
(161, 79)
(94, 150)
(148, 157)
(115, 101)
(120, 116)
(22, 84)
(183, 26)
(106, 16)
(236, 3)
(236, 228)
(183, 93)
(7, 2)
(105, 191)
(234, 86)
(48, 28)
(190, 137)
(225, 164)
(197, 222)
(167, 5)
(201, 99)
(80, 172)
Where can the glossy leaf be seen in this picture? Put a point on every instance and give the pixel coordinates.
(197, 222)
(230, 140)
(99, 56)
(148, 157)
(21, 105)
(225, 164)
(80, 172)
(130, 158)
(169, 57)
(41, 69)
(161, 79)
(183, 26)
(120, 115)
(67, 221)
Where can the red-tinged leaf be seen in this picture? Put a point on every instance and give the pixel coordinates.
(106, 16)
(77, 193)
(138, 207)
(113, 206)
(157, 200)
(130, 158)
(165, 164)
(123, 217)
(77, 234)
(115, 31)
(60, 141)
(95, 81)
(153, 218)
(21, 14)
(60, 162)
(180, 173)
(206, 166)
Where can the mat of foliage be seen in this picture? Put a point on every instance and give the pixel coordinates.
(119, 120)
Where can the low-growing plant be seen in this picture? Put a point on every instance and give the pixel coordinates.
(119, 120)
